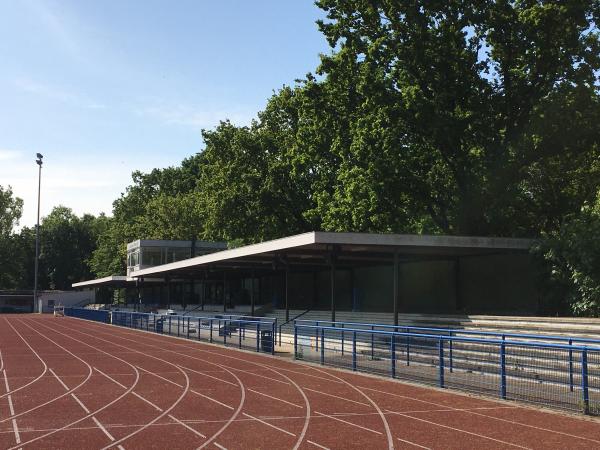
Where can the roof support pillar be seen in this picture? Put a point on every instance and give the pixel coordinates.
(286, 287)
(396, 288)
(224, 291)
(168, 282)
(457, 286)
(332, 261)
(252, 293)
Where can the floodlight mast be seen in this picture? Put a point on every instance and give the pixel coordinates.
(36, 301)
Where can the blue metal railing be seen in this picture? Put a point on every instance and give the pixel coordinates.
(251, 333)
(553, 374)
(97, 315)
(451, 331)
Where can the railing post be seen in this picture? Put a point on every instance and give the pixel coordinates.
(441, 361)
(451, 365)
(224, 330)
(240, 334)
(258, 336)
(571, 365)
(295, 342)
(322, 345)
(169, 325)
(178, 326)
(199, 327)
(210, 324)
(503, 370)
(393, 355)
(188, 327)
(372, 342)
(317, 335)
(584, 381)
(273, 337)
(408, 347)
(342, 325)
(354, 351)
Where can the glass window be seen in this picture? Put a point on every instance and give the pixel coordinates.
(151, 256)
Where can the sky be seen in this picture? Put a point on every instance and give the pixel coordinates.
(103, 88)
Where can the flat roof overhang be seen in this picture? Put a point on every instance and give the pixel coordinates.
(116, 281)
(315, 249)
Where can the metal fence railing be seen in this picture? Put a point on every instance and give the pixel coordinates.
(97, 315)
(251, 333)
(537, 337)
(550, 374)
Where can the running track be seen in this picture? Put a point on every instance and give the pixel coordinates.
(68, 383)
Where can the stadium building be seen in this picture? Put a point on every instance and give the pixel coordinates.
(389, 274)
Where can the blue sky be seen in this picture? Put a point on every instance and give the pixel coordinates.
(103, 88)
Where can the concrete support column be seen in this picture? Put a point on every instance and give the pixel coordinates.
(457, 290)
(396, 288)
(332, 282)
(252, 293)
(287, 292)
(224, 291)
(168, 282)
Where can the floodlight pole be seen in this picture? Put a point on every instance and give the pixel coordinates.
(37, 236)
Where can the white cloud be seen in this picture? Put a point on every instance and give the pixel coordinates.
(6, 155)
(194, 117)
(55, 93)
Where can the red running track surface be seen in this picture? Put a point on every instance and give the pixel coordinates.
(69, 383)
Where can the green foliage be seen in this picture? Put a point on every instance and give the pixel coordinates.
(572, 255)
(10, 212)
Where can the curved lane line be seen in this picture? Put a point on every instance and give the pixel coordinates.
(14, 416)
(38, 357)
(299, 388)
(93, 412)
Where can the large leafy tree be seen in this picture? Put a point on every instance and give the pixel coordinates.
(11, 208)
(470, 111)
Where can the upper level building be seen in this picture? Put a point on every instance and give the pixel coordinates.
(145, 253)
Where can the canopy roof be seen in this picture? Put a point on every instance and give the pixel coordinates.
(346, 249)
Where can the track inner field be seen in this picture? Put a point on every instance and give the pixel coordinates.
(69, 383)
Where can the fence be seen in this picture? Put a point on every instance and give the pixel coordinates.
(88, 314)
(568, 340)
(251, 333)
(551, 374)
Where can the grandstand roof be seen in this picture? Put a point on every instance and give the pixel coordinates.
(351, 249)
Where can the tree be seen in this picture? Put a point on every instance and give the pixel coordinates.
(465, 100)
(572, 259)
(11, 208)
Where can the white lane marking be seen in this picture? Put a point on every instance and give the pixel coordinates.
(472, 411)
(317, 445)
(336, 396)
(187, 426)
(212, 399)
(386, 425)
(12, 410)
(104, 430)
(458, 429)
(110, 378)
(1, 361)
(412, 443)
(58, 379)
(37, 356)
(87, 411)
(120, 447)
(269, 424)
(349, 423)
(209, 376)
(220, 446)
(275, 398)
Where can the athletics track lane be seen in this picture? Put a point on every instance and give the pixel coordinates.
(168, 392)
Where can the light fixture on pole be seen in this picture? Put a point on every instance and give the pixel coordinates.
(36, 302)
